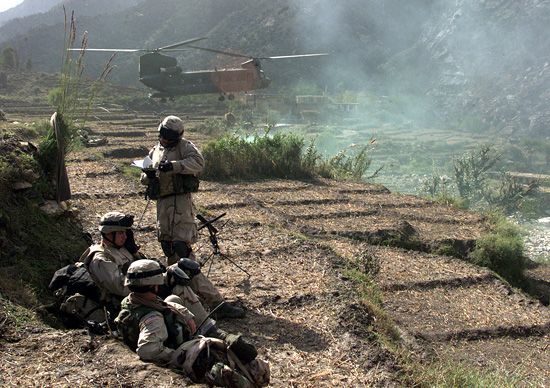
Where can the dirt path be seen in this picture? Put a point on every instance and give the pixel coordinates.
(295, 238)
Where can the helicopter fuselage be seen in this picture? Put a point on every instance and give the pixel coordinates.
(161, 73)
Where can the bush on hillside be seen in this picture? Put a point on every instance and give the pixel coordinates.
(476, 184)
(282, 155)
(263, 157)
(502, 250)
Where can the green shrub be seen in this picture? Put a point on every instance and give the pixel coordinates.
(279, 156)
(55, 96)
(449, 200)
(345, 166)
(232, 156)
(471, 169)
(502, 250)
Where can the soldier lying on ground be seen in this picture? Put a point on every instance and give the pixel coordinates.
(107, 263)
(171, 181)
(157, 330)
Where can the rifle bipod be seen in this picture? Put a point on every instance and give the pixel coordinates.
(213, 237)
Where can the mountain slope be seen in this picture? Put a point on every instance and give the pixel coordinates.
(486, 61)
(26, 8)
(26, 24)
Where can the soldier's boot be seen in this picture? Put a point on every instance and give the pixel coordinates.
(222, 375)
(227, 310)
(215, 332)
(243, 349)
(175, 250)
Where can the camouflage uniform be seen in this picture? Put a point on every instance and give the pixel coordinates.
(107, 266)
(176, 225)
(175, 215)
(202, 359)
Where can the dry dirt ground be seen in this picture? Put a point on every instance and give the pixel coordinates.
(296, 240)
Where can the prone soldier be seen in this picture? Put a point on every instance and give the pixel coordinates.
(158, 331)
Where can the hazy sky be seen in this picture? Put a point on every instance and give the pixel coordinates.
(7, 4)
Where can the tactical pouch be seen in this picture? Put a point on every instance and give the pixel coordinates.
(153, 189)
(78, 309)
(173, 184)
(184, 183)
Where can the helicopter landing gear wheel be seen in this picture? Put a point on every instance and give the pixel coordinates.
(221, 98)
(231, 97)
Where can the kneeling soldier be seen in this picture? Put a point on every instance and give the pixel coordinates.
(161, 332)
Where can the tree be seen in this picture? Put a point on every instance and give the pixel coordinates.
(9, 58)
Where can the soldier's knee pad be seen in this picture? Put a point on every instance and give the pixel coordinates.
(167, 248)
(182, 249)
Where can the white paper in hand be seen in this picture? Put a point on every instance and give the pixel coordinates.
(143, 163)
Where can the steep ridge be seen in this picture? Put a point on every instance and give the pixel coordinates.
(295, 238)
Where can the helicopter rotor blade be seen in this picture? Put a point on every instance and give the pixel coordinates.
(253, 57)
(109, 50)
(295, 56)
(221, 52)
(171, 47)
(188, 41)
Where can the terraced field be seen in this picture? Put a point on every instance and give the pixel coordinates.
(296, 239)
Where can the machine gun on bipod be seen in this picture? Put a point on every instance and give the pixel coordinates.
(213, 237)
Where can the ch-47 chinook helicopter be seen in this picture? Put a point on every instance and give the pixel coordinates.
(161, 72)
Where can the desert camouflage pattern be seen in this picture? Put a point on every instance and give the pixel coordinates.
(152, 334)
(207, 291)
(175, 213)
(191, 302)
(105, 266)
(174, 123)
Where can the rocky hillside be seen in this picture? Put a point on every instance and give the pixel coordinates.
(485, 63)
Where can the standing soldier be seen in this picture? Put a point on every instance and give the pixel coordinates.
(171, 180)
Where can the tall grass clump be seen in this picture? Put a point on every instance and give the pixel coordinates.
(234, 157)
(283, 155)
(66, 99)
(502, 250)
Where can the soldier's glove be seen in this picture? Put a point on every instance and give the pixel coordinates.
(175, 276)
(150, 172)
(166, 166)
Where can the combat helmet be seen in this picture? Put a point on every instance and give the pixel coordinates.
(171, 128)
(144, 272)
(115, 222)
